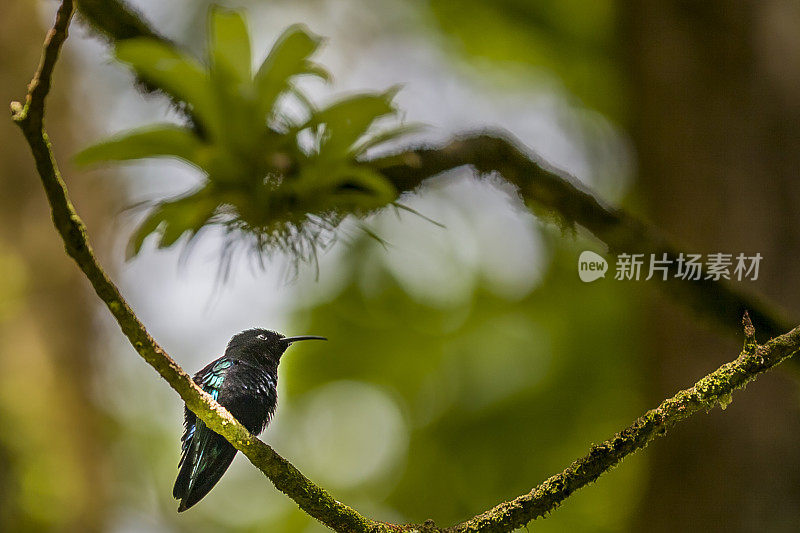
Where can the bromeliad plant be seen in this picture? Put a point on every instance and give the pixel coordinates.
(281, 180)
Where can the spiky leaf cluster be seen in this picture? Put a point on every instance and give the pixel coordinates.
(276, 178)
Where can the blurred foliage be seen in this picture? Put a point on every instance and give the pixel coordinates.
(271, 175)
(422, 405)
(496, 394)
(52, 474)
(571, 39)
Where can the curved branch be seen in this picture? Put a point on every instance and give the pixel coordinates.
(406, 170)
(715, 388)
(310, 497)
(560, 195)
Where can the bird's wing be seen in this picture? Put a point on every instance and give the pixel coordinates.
(210, 379)
(206, 455)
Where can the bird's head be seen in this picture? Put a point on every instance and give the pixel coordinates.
(263, 345)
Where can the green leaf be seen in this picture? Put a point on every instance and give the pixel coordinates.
(385, 136)
(230, 44)
(364, 188)
(349, 119)
(155, 141)
(174, 218)
(288, 58)
(147, 227)
(404, 207)
(267, 171)
(175, 73)
(315, 69)
(371, 234)
(307, 104)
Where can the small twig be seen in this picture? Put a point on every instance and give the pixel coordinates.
(32, 113)
(749, 329)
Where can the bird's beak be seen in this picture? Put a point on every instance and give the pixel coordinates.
(290, 340)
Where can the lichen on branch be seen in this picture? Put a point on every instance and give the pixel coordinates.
(29, 117)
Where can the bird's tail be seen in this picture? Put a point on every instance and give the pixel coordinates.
(207, 457)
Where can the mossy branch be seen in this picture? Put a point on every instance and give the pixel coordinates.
(407, 172)
(565, 199)
(714, 389)
(29, 117)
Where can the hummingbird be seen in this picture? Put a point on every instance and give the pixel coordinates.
(244, 381)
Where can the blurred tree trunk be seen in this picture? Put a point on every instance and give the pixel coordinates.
(51, 457)
(716, 96)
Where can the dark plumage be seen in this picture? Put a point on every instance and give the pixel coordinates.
(244, 381)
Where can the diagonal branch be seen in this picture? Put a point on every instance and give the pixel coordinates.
(560, 195)
(311, 498)
(716, 388)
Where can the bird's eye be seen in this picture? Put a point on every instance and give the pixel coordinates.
(261, 337)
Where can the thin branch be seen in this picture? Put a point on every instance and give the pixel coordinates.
(311, 498)
(716, 388)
